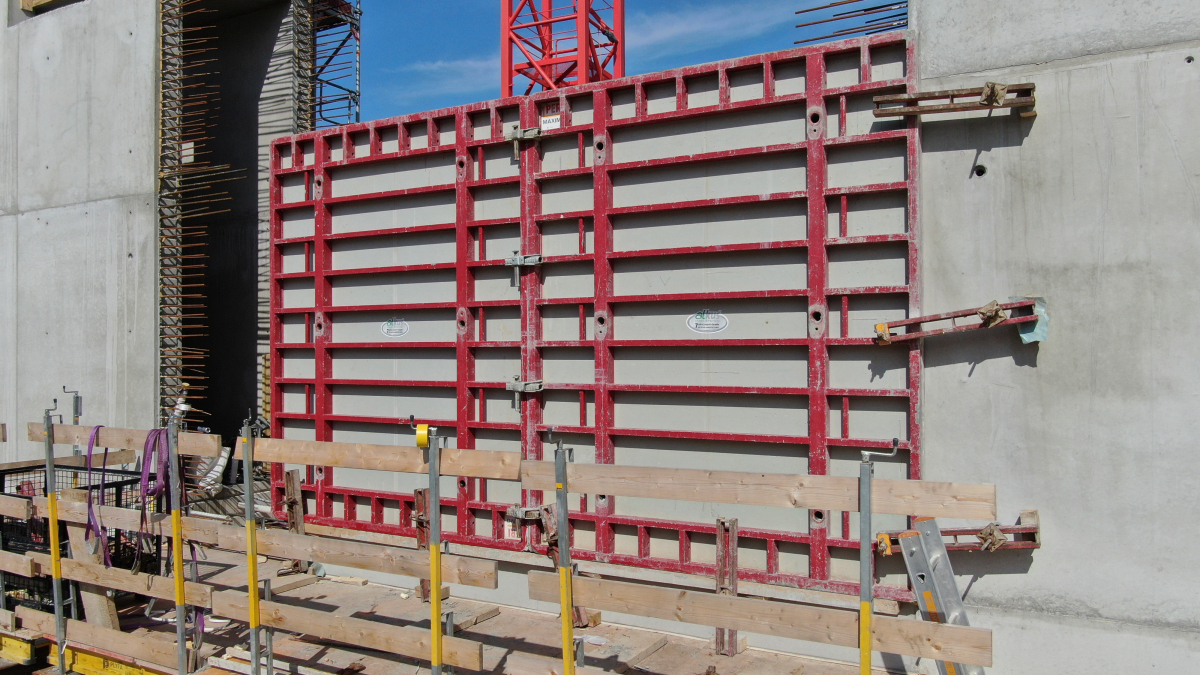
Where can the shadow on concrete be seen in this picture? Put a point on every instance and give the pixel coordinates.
(975, 347)
(980, 133)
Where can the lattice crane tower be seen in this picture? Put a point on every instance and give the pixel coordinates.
(550, 44)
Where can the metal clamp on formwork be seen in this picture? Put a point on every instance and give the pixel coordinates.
(517, 134)
(518, 387)
(1033, 326)
(517, 261)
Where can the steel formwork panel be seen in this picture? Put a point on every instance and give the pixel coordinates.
(717, 243)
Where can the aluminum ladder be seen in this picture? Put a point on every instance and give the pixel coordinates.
(933, 582)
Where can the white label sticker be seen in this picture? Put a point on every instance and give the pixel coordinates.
(708, 321)
(551, 121)
(395, 328)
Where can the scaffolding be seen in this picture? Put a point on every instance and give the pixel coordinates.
(327, 55)
(558, 43)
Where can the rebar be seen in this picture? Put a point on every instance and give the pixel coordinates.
(856, 17)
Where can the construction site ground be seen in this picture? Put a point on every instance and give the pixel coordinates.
(510, 636)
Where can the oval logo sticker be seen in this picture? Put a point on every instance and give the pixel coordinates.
(395, 328)
(708, 321)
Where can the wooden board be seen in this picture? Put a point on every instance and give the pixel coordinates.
(15, 563)
(900, 497)
(16, 507)
(157, 652)
(281, 544)
(624, 647)
(467, 613)
(517, 663)
(405, 641)
(943, 642)
(151, 585)
(403, 459)
(196, 445)
(114, 457)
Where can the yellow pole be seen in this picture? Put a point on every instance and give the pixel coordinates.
(435, 603)
(567, 610)
(566, 598)
(427, 437)
(864, 637)
(251, 542)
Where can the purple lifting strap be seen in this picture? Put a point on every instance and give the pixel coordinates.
(94, 528)
(155, 455)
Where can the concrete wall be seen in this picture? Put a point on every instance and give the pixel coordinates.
(78, 252)
(963, 36)
(1094, 205)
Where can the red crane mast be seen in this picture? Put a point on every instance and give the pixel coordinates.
(550, 44)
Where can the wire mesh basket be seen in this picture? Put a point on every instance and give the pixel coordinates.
(119, 488)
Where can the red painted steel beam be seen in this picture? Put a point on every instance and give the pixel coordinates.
(563, 42)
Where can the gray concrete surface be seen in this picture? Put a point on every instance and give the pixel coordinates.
(78, 256)
(963, 36)
(1093, 205)
(78, 205)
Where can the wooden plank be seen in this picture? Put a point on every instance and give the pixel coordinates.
(402, 640)
(163, 588)
(750, 588)
(157, 652)
(99, 609)
(517, 663)
(196, 445)
(467, 613)
(114, 457)
(15, 563)
(624, 647)
(111, 516)
(473, 463)
(16, 507)
(359, 555)
(943, 642)
(280, 544)
(900, 497)
(292, 582)
(293, 503)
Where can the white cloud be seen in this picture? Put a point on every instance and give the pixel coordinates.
(431, 79)
(691, 28)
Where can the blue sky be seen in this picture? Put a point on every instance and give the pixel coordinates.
(423, 56)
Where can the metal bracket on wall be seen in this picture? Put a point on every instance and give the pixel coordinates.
(988, 97)
(1025, 534)
(1033, 326)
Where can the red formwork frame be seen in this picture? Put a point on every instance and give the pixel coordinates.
(471, 498)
